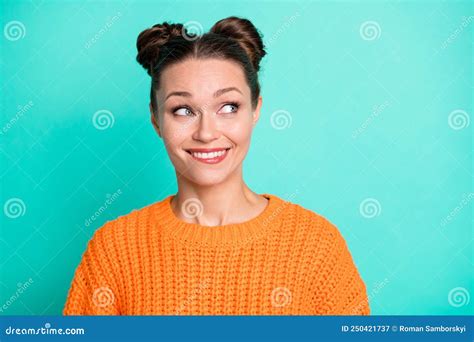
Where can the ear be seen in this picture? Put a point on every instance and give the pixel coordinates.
(256, 113)
(154, 122)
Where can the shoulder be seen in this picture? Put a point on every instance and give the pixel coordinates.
(128, 225)
(313, 225)
(320, 235)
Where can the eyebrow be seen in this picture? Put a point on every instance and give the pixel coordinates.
(216, 94)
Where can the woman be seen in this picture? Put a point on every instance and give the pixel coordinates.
(216, 247)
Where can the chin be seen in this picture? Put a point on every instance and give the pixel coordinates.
(206, 179)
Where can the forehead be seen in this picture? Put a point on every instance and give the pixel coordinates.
(202, 77)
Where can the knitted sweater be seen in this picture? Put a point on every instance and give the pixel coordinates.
(287, 260)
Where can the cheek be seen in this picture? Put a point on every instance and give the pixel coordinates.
(238, 131)
(175, 133)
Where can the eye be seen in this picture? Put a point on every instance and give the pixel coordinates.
(230, 108)
(182, 111)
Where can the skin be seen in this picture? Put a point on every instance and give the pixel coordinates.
(208, 122)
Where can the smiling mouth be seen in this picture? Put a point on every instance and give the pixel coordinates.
(212, 157)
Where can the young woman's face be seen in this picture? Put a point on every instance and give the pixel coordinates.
(205, 104)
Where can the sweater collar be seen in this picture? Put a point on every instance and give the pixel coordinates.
(228, 234)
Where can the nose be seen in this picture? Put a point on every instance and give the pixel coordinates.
(207, 128)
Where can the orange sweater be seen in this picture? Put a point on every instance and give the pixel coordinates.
(286, 261)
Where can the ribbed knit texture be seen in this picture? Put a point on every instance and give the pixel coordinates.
(286, 261)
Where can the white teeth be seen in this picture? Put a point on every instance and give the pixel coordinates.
(208, 155)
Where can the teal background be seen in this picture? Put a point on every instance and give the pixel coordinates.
(369, 119)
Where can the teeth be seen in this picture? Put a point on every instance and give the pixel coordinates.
(208, 155)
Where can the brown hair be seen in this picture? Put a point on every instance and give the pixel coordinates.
(232, 38)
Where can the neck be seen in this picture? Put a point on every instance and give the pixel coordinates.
(230, 201)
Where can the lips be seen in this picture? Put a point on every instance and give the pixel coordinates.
(207, 150)
(209, 155)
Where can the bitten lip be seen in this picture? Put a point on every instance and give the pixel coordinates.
(206, 150)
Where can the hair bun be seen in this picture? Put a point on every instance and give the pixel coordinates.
(151, 40)
(245, 33)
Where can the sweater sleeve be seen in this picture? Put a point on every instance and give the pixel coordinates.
(341, 290)
(94, 289)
